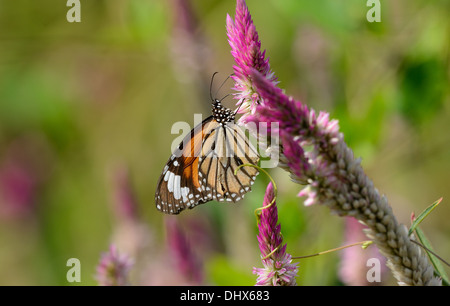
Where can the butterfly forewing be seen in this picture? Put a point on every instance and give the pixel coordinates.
(179, 186)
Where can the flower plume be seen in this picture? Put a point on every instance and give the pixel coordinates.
(278, 268)
(113, 268)
(314, 152)
(334, 177)
(246, 50)
(184, 259)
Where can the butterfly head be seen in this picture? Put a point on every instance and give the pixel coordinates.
(222, 114)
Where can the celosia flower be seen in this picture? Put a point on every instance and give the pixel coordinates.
(300, 128)
(187, 44)
(113, 268)
(278, 267)
(184, 259)
(314, 152)
(335, 178)
(24, 168)
(17, 190)
(126, 206)
(246, 50)
(130, 234)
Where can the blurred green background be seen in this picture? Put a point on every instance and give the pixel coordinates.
(86, 111)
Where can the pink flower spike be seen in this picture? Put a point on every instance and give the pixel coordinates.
(182, 254)
(246, 50)
(278, 267)
(335, 177)
(113, 268)
(126, 205)
(314, 152)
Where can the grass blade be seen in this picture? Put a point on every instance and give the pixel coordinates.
(423, 215)
(435, 261)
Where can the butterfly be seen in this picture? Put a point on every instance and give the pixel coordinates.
(202, 167)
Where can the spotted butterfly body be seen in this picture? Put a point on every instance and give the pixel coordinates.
(202, 168)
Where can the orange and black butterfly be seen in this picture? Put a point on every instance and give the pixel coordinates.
(202, 167)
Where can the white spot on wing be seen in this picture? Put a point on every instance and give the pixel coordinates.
(166, 176)
(184, 193)
(170, 181)
(177, 188)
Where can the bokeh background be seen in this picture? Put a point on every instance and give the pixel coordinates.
(86, 111)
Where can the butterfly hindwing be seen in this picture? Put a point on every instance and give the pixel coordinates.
(230, 150)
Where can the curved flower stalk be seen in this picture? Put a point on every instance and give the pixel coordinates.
(278, 267)
(316, 155)
(334, 177)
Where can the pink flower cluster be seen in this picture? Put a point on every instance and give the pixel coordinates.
(278, 268)
(246, 51)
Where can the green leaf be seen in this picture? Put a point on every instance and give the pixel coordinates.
(423, 215)
(438, 267)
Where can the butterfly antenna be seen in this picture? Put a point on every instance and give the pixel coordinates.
(210, 85)
(225, 97)
(221, 85)
(237, 109)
